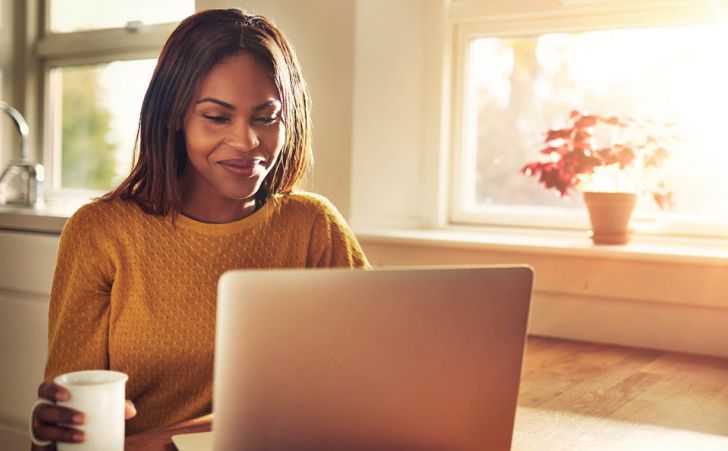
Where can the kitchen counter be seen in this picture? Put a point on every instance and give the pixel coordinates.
(49, 218)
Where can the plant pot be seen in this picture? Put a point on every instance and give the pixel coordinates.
(609, 214)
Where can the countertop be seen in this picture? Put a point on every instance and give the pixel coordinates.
(48, 218)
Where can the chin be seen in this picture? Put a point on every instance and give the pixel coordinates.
(240, 194)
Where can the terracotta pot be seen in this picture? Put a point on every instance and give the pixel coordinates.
(609, 214)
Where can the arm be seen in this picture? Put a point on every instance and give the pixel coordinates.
(77, 326)
(79, 306)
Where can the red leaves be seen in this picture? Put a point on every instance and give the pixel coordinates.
(551, 175)
(586, 121)
(582, 135)
(619, 154)
(572, 152)
(656, 158)
(553, 135)
(560, 150)
(663, 200)
(532, 169)
(562, 174)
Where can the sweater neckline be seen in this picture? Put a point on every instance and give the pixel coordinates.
(248, 222)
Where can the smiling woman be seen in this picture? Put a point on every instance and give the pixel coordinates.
(234, 135)
(224, 139)
(233, 143)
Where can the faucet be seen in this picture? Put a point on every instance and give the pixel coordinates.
(22, 181)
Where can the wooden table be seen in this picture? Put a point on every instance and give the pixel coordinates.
(582, 396)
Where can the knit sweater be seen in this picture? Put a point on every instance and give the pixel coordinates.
(136, 293)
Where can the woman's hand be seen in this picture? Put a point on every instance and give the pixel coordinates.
(129, 410)
(47, 419)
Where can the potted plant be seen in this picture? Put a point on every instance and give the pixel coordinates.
(610, 176)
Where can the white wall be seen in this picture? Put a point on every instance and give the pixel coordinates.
(388, 151)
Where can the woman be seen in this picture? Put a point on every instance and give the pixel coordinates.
(224, 137)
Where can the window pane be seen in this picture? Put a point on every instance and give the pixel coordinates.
(98, 120)
(519, 87)
(78, 15)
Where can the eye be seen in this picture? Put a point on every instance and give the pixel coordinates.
(267, 120)
(216, 119)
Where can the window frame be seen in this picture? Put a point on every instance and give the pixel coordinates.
(54, 50)
(470, 19)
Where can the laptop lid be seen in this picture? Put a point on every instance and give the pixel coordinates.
(389, 359)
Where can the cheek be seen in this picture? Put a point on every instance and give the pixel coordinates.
(275, 138)
(198, 140)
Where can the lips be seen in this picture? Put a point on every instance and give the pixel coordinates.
(241, 167)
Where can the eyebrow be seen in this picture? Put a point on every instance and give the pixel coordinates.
(269, 103)
(229, 106)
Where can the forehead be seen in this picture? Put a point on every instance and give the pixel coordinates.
(240, 79)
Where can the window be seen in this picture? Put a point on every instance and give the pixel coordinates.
(517, 80)
(97, 59)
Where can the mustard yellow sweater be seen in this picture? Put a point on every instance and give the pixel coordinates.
(136, 293)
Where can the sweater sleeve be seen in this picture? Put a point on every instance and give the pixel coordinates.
(78, 316)
(332, 242)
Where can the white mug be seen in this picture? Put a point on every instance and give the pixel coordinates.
(100, 395)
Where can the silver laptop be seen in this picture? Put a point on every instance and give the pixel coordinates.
(389, 359)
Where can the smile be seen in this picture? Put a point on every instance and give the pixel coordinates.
(240, 167)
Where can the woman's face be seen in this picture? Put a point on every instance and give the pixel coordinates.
(233, 131)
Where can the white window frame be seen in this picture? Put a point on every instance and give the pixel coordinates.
(468, 19)
(135, 41)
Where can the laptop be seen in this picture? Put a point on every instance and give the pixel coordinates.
(389, 359)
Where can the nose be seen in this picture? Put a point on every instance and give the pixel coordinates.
(243, 136)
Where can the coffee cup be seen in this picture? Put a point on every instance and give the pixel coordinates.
(100, 395)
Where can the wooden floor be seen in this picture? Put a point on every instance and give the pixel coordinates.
(598, 397)
(593, 397)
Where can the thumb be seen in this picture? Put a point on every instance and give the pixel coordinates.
(129, 410)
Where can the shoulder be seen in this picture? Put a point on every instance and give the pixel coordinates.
(331, 242)
(307, 204)
(316, 210)
(100, 215)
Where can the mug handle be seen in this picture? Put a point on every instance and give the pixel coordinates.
(33, 438)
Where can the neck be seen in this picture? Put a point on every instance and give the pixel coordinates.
(216, 212)
(211, 207)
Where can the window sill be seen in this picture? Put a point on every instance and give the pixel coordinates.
(51, 218)
(711, 251)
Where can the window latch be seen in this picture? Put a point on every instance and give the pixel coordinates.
(134, 26)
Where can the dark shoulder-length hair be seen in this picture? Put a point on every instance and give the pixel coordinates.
(200, 42)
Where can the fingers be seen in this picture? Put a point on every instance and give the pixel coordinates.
(47, 419)
(56, 414)
(51, 447)
(53, 392)
(58, 433)
(129, 410)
